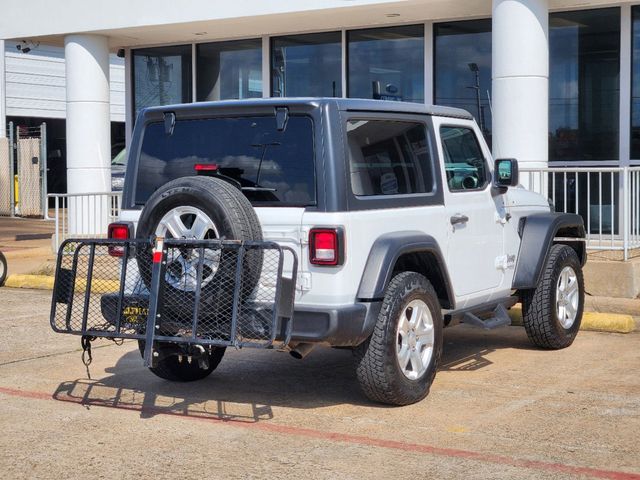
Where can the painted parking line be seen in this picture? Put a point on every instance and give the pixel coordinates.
(344, 438)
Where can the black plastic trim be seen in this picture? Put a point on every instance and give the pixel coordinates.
(346, 326)
(537, 238)
(384, 254)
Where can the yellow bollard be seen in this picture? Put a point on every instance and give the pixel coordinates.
(16, 190)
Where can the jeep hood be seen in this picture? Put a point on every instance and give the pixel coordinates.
(520, 197)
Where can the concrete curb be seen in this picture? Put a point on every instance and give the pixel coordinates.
(37, 282)
(594, 321)
(45, 282)
(30, 252)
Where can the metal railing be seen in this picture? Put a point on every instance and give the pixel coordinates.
(606, 198)
(83, 215)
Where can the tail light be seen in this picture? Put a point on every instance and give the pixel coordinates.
(119, 231)
(205, 167)
(326, 246)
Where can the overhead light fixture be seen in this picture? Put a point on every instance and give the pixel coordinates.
(392, 15)
(200, 33)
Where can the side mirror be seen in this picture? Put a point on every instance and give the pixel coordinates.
(505, 173)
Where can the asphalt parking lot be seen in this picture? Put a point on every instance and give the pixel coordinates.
(497, 409)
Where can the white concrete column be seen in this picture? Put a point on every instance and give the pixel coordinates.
(520, 68)
(3, 93)
(88, 130)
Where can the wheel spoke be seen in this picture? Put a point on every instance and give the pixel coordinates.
(562, 313)
(404, 355)
(570, 309)
(175, 226)
(211, 258)
(403, 327)
(425, 338)
(416, 315)
(200, 227)
(416, 362)
(573, 288)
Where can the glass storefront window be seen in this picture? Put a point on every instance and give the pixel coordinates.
(387, 63)
(229, 70)
(161, 76)
(584, 89)
(463, 68)
(635, 85)
(307, 65)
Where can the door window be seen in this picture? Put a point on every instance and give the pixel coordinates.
(464, 162)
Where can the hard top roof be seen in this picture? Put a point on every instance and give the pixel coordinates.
(345, 104)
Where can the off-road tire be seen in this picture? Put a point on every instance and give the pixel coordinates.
(229, 209)
(539, 313)
(377, 367)
(169, 368)
(234, 219)
(3, 269)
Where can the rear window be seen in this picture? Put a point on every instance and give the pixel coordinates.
(272, 167)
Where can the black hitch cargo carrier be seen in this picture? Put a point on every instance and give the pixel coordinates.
(214, 293)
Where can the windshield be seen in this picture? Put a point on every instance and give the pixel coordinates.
(120, 158)
(272, 167)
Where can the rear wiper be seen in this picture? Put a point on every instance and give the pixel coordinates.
(264, 147)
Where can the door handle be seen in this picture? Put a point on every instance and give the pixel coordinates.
(458, 218)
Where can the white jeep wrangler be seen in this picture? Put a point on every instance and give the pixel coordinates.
(299, 222)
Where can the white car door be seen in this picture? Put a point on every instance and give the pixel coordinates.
(474, 213)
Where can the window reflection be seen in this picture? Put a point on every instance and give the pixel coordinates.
(307, 65)
(584, 85)
(389, 158)
(463, 68)
(272, 167)
(161, 76)
(229, 70)
(387, 63)
(635, 86)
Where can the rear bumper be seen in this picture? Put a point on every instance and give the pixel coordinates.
(344, 326)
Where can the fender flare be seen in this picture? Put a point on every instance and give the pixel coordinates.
(384, 254)
(538, 232)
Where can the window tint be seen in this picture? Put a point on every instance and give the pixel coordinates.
(463, 160)
(387, 63)
(307, 65)
(584, 85)
(229, 70)
(161, 76)
(462, 59)
(272, 167)
(389, 158)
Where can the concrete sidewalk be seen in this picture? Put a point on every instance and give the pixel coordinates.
(26, 244)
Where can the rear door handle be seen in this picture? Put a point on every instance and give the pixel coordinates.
(458, 218)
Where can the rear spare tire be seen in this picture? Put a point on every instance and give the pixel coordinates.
(199, 208)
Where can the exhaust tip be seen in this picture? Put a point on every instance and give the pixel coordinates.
(302, 350)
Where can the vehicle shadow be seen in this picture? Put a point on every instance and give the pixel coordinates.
(249, 384)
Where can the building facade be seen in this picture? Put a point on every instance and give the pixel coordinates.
(551, 82)
(33, 92)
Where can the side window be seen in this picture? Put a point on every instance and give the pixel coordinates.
(464, 162)
(389, 158)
